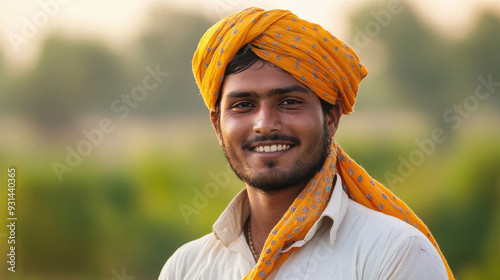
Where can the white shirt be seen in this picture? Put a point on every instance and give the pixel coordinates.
(349, 241)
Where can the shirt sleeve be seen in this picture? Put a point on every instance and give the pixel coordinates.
(414, 259)
(177, 266)
(168, 270)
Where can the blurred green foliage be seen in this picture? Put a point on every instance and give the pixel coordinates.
(120, 208)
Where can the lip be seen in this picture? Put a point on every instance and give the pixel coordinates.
(271, 143)
(269, 153)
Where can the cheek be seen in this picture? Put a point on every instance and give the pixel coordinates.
(308, 125)
(233, 128)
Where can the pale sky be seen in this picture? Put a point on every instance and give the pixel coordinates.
(118, 21)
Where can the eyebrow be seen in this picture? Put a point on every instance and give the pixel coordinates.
(270, 93)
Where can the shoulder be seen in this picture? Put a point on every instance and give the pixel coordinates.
(392, 247)
(370, 223)
(377, 230)
(364, 244)
(182, 259)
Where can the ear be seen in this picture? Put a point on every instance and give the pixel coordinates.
(215, 123)
(332, 119)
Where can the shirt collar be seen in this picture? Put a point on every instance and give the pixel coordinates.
(335, 211)
(230, 223)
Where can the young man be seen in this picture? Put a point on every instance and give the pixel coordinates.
(276, 87)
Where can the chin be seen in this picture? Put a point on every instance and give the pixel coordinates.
(272, 180)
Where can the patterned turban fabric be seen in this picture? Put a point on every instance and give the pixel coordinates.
(333, 71)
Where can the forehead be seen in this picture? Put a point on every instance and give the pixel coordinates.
(260, 78)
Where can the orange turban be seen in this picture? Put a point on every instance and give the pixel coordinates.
(307, 51)
(333, 71)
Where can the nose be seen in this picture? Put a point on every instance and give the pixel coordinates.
(267, 119)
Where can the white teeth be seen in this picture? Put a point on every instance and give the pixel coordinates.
(272, 148)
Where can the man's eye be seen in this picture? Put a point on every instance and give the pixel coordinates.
(290, 102)
(242, 105)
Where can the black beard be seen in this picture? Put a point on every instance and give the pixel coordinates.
(298, 174)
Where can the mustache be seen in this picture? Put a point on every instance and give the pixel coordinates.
(275, 137)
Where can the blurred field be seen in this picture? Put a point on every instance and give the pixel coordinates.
(135, 198)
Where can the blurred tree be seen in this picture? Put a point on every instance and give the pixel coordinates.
(74, 78)
(480, 51)
(70, 80)
(3, 81)
(2, 68)
(170, 40)
(428, 71)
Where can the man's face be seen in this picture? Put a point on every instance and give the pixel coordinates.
(272, 128)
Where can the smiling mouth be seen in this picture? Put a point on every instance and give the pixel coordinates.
(271, 148)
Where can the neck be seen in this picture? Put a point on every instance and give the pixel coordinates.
(266, 209)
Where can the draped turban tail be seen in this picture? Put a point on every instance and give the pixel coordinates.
(333, 71)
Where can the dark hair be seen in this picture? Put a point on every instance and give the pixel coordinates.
(242, 60)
